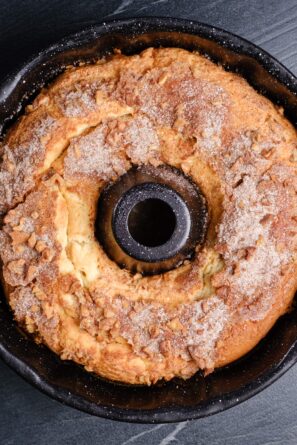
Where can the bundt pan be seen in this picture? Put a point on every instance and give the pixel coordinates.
(176, 400)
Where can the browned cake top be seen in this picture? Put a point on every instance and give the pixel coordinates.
(164, 106)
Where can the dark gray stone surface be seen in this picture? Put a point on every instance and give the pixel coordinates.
(28, 417)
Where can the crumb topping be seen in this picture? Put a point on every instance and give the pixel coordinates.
(90, 127)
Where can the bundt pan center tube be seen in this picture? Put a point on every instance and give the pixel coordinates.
(176, 400)
(151, 219)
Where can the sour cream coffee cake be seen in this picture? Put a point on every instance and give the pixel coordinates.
(162, 109)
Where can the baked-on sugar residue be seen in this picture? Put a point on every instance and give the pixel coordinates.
(108, 150)
(189, 331)
(246, 238)
(20, 162)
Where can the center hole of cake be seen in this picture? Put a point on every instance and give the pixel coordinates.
(151, 222)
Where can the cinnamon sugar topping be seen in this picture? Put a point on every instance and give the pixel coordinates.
(90, 127)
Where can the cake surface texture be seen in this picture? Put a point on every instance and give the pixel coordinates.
(81, 133)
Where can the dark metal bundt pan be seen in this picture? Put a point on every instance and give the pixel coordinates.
(176, 400)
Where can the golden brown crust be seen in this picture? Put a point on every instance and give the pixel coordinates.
(95, 122)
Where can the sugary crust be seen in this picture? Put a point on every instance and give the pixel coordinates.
(88, 128)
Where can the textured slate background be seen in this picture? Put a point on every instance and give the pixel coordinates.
(28, 417)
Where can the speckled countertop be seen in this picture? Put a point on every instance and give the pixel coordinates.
(26, 415)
